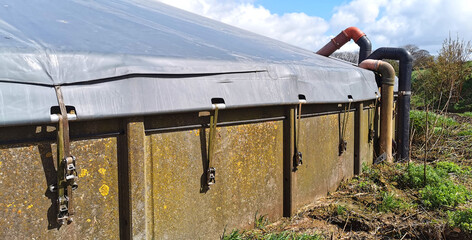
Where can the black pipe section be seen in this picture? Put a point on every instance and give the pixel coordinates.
(404, 95)
(365, 48)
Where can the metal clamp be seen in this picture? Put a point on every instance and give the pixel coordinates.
(404, 93)
(342, 141)
(211, 171)
(342, 146)
(371, 134)
(70, 171)
(298, 157)
(66, 165)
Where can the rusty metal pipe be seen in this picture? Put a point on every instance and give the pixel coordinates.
(386, 109)
(345, 36)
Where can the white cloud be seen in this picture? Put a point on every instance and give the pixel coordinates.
(355, 12)
(425, 23)
(295, 28)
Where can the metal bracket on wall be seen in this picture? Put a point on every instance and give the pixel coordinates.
(66, 164)
(298, 157)
(211, 171)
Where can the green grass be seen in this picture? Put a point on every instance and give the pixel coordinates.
(461, 219)
(414, 176)
(286, 235)
(465, 132)
(260, 222)
(449, 167)
(445, 194)
(340, 210)
(439, 190)
(436, 123)
(390, 203)
(466, 114)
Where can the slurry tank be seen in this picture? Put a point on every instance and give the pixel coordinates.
(134, 119)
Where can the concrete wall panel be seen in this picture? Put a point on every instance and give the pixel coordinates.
(248, 162)
(28, 208)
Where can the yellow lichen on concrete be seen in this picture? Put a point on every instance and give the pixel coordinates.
(102, 171)
(26, 215)
(83, 173)
(104, 189)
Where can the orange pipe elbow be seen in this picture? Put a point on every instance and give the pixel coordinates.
(353, 33)
(342, 38)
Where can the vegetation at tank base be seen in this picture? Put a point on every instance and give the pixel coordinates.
(391, 203)
(285, 235)
(461, 219)
(260, 221)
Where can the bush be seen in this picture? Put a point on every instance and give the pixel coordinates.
(444, 194)
(461, 219)
(466, 114)
(449, 167)
(414, 176)
(439, 190)
(436, 123)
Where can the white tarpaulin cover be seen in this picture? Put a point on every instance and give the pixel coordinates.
(122, 58)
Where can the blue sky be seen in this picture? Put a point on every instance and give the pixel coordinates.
(311, 24)
(322, 9)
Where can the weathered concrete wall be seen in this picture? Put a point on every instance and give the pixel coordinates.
(248, 162)
(323, 168)
(28, 209)
(144, 178)
(367, 146)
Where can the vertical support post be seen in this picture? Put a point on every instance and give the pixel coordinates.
(140, 181)
(288, 152)
(376, 140)
(124, 186)
(358, 138)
